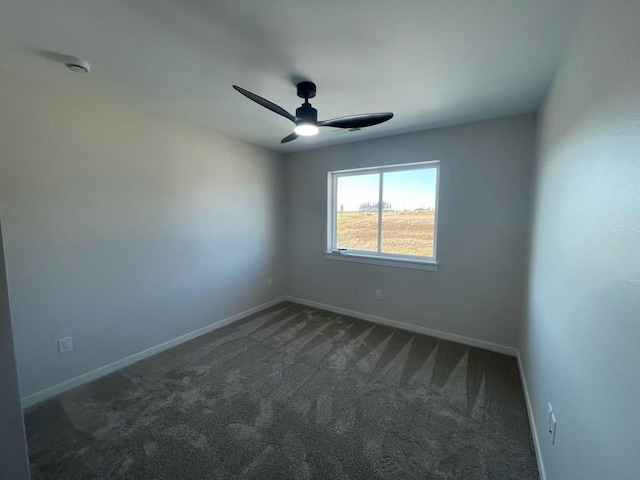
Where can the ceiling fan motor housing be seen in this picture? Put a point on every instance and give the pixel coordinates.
(307, 114)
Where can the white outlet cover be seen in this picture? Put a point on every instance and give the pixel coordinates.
(65, 345)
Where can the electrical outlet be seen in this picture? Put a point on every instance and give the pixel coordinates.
(270, 282)
(378, 294)
(65, 345)
(551, 423)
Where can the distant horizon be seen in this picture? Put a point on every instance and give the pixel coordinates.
(404, 190)
(427, 209)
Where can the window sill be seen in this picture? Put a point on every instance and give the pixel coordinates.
(429, 265)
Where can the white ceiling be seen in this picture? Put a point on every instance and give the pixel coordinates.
(431, 62)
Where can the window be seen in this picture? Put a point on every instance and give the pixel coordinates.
(385, 215)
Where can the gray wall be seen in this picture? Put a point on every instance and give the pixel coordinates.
(484, 204)
(581, 338)
(125, 230)
(13, 447)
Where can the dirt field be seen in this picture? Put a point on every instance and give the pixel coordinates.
(409, 233)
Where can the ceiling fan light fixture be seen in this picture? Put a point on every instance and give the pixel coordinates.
(306, 129)
(306, 117)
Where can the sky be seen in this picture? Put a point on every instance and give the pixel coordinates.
(405, 190)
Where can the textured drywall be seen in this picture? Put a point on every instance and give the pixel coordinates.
(484, 203)
(125, 230)
(581, 339)
(13, 446)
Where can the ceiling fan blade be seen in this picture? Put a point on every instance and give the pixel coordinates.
(289, 138)
(357, 121)
(265, 103)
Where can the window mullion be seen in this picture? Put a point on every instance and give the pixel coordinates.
(334, 213)
(380, 213)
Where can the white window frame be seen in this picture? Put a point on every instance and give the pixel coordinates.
(378, 258)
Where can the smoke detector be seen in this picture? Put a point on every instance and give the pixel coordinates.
(77, 65)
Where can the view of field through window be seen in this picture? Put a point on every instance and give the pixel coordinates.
(408, 212)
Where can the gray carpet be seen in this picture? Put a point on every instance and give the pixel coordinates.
(293, 393)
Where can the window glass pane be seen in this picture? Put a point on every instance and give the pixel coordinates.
(357, 212)
(408, 217)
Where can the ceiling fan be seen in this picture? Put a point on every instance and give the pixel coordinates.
(306, 117)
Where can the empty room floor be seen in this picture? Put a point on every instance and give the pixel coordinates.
(293, 393)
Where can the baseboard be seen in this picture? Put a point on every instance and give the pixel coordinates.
(494, 347)
(532, 421)
(42, 395)
(34, 398)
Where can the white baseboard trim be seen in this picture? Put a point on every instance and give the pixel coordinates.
(494, 347)
(34, 398)
(532, 421)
